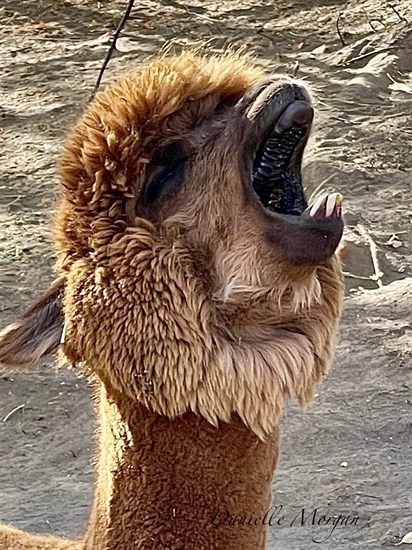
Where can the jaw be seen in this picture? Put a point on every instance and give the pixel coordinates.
(277, 118)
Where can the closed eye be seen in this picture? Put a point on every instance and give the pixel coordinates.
(169, 164)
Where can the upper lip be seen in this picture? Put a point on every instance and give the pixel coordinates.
(264, 103)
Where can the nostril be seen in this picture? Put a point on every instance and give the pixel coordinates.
(298, 113)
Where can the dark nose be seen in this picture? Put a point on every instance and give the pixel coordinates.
(298, 113)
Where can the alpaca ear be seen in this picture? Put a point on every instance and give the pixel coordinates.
(38, 331)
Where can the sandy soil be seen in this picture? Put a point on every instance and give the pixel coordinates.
(349, 454)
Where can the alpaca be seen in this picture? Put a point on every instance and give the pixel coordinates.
(198, 292)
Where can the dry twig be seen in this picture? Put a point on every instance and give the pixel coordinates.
(112, 46)
(369, 20)
(366, 55)
(401, 17)
(338, 28)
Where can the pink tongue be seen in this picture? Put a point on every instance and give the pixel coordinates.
(298, 113)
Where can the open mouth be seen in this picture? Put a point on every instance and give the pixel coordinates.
(276, 172)
(280, 115)
(283, 118)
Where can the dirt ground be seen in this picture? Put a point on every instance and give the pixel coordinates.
(351, 452)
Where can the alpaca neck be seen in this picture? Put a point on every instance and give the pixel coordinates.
(173, 483)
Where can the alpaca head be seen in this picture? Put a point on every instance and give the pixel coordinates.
(194, 275)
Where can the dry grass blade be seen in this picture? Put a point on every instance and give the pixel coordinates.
(10, 414)
(378, 274)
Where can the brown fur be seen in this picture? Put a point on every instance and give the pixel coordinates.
(37, 332)
(197, 325)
